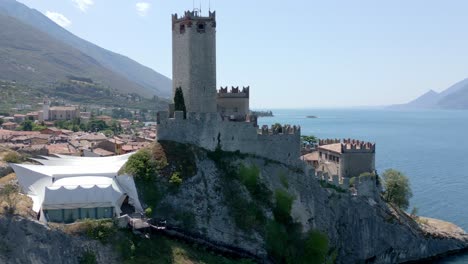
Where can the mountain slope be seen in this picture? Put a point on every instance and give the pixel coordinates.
(152, 82)
(454, 97)
(427, 100)
(33, 57)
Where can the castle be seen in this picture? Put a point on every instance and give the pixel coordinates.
(216, 118)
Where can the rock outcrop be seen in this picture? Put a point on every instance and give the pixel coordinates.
(27, 241)
(361, 228)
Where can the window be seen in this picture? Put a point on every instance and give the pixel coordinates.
(182, 29)
(201, 28)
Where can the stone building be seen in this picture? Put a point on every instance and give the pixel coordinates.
(233, 104)
(58, 112)
(346, 158)
(216, 118)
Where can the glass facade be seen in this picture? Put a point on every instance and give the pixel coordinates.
(71, 215)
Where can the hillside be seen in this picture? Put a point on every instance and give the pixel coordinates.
(32, 57)
(148, 81)
(277, 213)
(454, 97)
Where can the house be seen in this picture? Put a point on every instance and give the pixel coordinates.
(106, 119)
(19, 118)
(9, 126)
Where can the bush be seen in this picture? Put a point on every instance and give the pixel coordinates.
(283, 206)
(141, 165)
(13, 157)
(249, 177)
(397, 188)
(316, 247)
(149, 212)
(175, 179)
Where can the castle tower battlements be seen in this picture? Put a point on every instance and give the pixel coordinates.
(194, 60)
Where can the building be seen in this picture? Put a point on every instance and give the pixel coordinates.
(9, 126)
(105, 119)
(66, 189)
(216, 119)
(346, 158)
(233, 104)
(57, 112)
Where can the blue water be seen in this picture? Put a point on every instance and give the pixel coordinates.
(430, 147)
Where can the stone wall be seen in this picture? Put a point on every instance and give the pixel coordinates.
(208, 130)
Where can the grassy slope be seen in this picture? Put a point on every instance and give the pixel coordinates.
(31, 56)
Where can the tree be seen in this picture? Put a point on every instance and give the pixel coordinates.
(397, 188)
(1, 121)
(179, 102)
(141, 165)
(27, 125)
(277, 126)
(311, 140)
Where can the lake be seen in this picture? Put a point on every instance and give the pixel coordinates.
(428, 146)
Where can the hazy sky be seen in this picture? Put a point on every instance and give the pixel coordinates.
(295, 53)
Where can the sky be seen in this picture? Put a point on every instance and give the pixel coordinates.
(295, 53)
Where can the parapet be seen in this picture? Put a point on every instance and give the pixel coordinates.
(235, 92)
(278, 130)
(190, 16)
(350, 145)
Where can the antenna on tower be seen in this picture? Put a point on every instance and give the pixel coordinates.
(209, 6)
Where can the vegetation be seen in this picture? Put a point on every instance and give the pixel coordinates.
(284, 180)
(13, 157)
(278, 127)
(311, 140)
(149, 212)
(179, 102)
(9, 194)
(327, 185)
(141, 165)
(88, 257)
(175, 179)
(397, 188)
(286, 243)
(158, 249)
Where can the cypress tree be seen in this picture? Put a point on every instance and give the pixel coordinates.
(179, 102)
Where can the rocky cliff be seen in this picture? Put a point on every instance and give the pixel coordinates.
(26, 241)
(217, 204)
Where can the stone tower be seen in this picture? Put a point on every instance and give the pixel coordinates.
(45, 109)
(194, 60)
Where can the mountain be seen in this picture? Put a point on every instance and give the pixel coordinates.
(454, 97)
(150, 82)
(33, 57)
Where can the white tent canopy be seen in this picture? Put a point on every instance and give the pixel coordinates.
(76, 183)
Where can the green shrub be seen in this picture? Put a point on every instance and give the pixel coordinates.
(176, 179)
(352, 181)
(101, 230)
(149, 212)
(13, 157)
(141, 165)
(315, 248)
(249, 177)
(283, 206)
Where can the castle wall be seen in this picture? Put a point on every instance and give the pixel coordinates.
(194, 61)
(356, 163)
(207, 130)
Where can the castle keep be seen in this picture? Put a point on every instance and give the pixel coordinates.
(216, 118)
